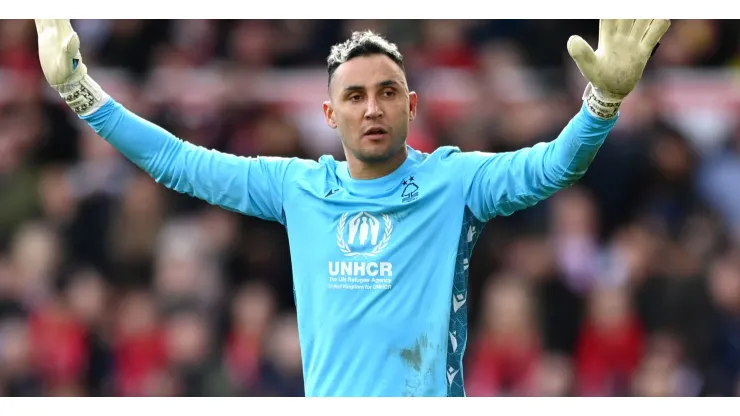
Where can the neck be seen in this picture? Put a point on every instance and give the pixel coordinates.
(363, 170)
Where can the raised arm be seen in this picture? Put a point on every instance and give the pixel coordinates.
(501, 184)
(252, 186)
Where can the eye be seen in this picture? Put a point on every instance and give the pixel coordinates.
(389, 93)
(354, 97)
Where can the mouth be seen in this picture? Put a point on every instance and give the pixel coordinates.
(375, 133)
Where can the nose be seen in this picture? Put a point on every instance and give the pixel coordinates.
(373, 110)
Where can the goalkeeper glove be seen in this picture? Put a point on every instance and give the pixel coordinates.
(61, 62)
(614, 69)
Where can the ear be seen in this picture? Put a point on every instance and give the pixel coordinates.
(413, 102)
(329, 115)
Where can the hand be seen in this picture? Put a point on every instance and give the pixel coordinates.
(59, 52)
(625, 46)
(61, 62)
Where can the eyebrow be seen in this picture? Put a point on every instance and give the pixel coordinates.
(386, 83)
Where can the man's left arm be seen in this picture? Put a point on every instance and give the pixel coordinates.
(501, 184)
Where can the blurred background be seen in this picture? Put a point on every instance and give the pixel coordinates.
(625, 285)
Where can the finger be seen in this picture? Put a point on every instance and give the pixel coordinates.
(72, 45)
(656, 30)
(64, 26)
(41, 25)
(640, 27)
(607, 27)
(624, 26)
(583, 55)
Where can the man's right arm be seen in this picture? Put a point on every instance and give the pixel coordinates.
(251, 186)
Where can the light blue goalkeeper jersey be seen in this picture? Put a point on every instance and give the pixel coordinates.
(379, 266)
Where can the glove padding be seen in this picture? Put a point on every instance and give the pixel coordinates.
(61, 62)
(617, 65)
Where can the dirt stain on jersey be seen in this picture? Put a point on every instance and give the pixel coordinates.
(413, 356)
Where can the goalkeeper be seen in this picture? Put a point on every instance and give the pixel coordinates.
(380, 243)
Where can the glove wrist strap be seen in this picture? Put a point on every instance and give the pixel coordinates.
(84, 97)
(600, 104)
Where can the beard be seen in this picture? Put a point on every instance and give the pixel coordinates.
(376, 156)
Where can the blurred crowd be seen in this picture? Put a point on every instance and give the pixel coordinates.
(627, 284)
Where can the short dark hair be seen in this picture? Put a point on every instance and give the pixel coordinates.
(363, 43)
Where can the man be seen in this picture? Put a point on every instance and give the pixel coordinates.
(380, 243)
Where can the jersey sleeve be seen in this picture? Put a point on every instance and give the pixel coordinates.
(249, 185)
(499, 184)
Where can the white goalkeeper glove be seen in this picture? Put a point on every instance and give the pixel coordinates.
(614, 69)
(61, 62)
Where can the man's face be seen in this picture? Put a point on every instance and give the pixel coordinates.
(371, 107)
